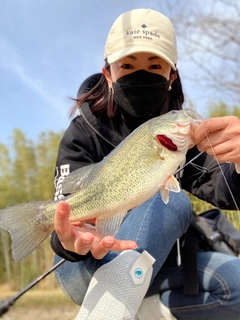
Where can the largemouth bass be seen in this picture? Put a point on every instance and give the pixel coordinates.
(140, 166)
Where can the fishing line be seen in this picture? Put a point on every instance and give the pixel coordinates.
(224, 177)
(205, 169)
(189, 162)
(179, 259)
(221, 170)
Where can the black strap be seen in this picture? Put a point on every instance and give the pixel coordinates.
(190, 245)
(189, 261)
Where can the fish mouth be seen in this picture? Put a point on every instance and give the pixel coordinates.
(166, 142)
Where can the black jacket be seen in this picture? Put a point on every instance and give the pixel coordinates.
(90, 138)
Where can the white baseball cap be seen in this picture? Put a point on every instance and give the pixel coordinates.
(142, 30)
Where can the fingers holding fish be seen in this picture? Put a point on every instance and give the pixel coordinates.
(219, 137)
(100, 248)
(84, 238)
(223, 152)
(68, 233)
(217, 128)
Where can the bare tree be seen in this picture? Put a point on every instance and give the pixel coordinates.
(208, 31)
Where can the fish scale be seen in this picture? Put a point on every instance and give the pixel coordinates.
(143, 164)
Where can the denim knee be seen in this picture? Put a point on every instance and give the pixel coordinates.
(155, 226)
(219, 284)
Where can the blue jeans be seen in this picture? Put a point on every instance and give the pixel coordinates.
(155, 227)
(219, 289)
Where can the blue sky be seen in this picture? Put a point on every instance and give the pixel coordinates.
(47, 48)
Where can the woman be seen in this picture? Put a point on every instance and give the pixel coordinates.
(140, 81)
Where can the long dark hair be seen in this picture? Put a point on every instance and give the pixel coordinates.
(96, 92)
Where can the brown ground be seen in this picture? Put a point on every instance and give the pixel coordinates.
(40, 305)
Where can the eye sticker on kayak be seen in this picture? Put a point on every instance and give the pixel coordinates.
(166, 142)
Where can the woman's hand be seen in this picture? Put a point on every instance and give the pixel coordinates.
(220, 137)
(85, 238)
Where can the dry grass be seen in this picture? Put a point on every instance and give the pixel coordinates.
(39, 305)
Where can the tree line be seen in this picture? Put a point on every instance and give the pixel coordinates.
(26, 175)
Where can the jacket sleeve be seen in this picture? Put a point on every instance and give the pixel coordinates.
(218, 184)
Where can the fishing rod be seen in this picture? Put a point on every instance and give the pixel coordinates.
(7, 303)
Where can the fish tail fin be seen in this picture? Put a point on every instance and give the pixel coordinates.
(25, 223)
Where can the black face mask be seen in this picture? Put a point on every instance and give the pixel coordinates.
(141, 93)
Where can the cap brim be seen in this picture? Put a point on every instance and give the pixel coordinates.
(135, 49)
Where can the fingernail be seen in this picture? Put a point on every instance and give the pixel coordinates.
(108, 243)
(134, 246)
(87, 241)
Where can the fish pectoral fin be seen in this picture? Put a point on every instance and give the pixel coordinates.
(164, 194)
(171, 184)
(108, 226)
(75, 180)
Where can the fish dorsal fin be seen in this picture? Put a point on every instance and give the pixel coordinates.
(171, 184)
(75, 180)
(108, 226)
